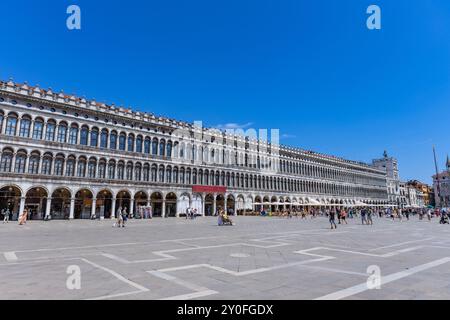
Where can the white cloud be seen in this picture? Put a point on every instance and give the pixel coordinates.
(288, 136)
(233, 126)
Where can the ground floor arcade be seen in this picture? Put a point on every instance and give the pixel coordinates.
(58, 201)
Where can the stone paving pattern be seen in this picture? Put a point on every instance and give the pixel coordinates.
(258, 258)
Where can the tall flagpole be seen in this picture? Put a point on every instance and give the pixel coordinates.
(438, 189)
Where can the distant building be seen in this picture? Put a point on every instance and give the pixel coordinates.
(390, 166)
(403, 195)
(425, 193)
(414, 198)
(441, 187)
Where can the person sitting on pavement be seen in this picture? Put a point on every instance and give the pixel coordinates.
(223, 219)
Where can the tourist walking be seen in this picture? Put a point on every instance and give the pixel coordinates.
(369, 217)
(332, 216)
(363, 216)
(118, 218)
(23, 217)
(343, 216)
(124, 216)
(393, 214)
(6, 214)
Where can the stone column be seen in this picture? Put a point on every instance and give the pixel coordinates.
(27, 162)
(63, 169)
(203, 204)
(214, 205)
(113, 209)
(131, 208)
(40, 165)
(93, 207)
(88, 138)
(72, 209)
(78, 136)
(96, 175)
(47, 209)
(21, 206)
(2, 125)
(163, 208)
(225, 203)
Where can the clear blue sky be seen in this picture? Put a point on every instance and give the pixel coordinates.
(310, 68)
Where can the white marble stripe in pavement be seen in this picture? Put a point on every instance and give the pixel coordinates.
(345, 293)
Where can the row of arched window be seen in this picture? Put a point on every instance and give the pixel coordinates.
(103, 138)
(76, 134)
(311, 170)
(61, 132)
(112, 169)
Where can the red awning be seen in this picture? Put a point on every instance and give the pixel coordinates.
(210, 189)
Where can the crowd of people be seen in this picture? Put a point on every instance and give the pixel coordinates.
(339, 214)
(366, 214)
(191, 213)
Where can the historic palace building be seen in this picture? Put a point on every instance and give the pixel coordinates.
(69, 158)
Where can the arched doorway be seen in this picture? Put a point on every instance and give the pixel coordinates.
(248, 203)
(280, 204)
(10, 200)
(197, 203)
(257, 204)
(266, 203)
(209, 204)
(60, 208)
(183, 204)
(141, 201)
(287, 204)
(83, 204)
(123, 200)
(171, 205)
(36, 203)
(220, 202)
(156, 200)
(273, 206)
(231, 209)
(104, 203)
(240, 205)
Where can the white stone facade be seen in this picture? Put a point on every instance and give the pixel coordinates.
(70, 158)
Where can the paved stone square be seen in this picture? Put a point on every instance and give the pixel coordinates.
(258, 258)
